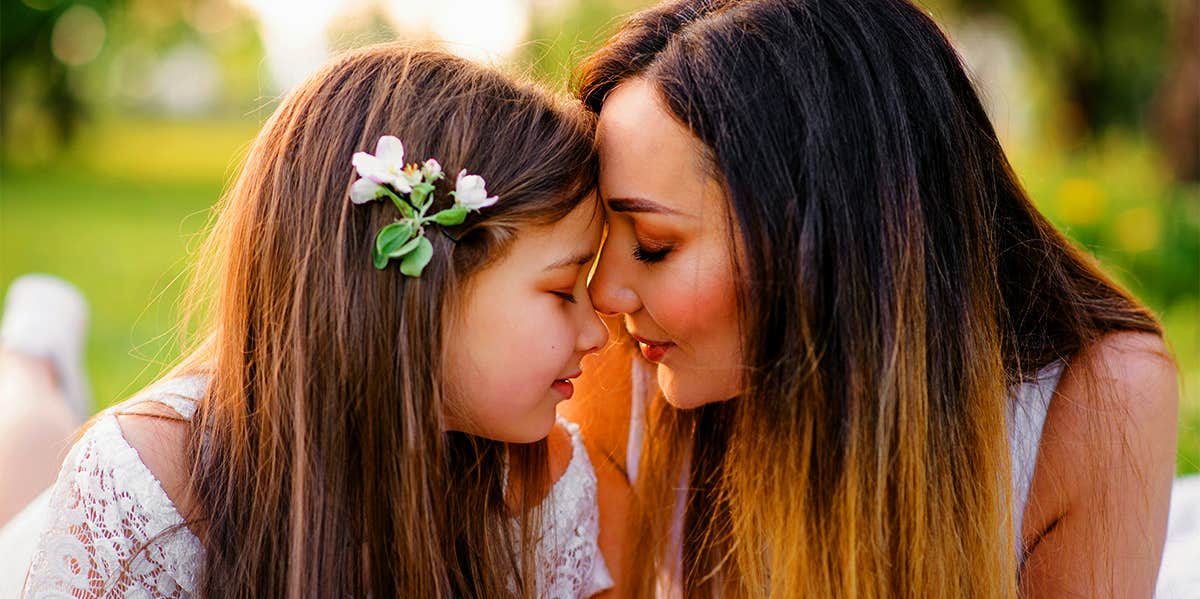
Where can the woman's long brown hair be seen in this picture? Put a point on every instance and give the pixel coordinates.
(319, 462)
(895, 281)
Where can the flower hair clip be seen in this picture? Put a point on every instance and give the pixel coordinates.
(410, 188)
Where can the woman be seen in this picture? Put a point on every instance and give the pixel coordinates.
(865, 334)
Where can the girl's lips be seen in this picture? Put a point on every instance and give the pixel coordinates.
(565, 387)
(653, 350)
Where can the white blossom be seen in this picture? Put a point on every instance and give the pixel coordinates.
(470, 191)
(386, 166)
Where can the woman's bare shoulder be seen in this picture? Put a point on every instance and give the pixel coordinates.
(1122, 390)
(1104, 470)
(1126, 379)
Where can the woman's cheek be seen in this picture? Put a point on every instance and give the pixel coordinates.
(697, 302)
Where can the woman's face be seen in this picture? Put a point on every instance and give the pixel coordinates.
(667, 263)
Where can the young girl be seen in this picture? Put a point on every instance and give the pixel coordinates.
(367, 412)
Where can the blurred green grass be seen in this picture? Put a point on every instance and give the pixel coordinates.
(117, 217)
(126, 206)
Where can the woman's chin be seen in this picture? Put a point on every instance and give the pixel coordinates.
(687, 392)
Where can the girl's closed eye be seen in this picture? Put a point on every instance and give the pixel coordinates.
(565, 296)
(566, 280)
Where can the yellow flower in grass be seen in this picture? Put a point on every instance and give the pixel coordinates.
(1080, 201)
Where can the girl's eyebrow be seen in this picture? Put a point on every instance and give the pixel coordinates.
(577, 260)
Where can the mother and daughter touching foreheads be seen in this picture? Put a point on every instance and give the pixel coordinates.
(851, 357)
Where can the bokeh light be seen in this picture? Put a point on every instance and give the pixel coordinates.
(78, 35)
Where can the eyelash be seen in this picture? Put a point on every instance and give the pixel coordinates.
(642, 254)
(565, 296)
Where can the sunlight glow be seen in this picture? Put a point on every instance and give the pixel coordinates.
(295, 34)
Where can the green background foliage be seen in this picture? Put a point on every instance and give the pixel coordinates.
(106, 188)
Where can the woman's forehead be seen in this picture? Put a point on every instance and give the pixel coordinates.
(645, 152)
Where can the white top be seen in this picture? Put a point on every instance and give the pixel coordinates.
(106, 506)
(1026, 417)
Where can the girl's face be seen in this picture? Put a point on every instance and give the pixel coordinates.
(525, 325)
(667, 263)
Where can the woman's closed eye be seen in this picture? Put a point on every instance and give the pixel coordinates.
(651, 254)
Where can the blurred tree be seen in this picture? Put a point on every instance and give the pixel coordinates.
(26, 56)
(1107, 55)
(57, 57)
(1177, 104)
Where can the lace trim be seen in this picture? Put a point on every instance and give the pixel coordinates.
(113, 532)
(566, 553)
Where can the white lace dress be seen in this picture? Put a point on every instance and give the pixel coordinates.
(107, 529)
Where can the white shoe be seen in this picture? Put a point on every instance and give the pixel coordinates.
(47, 317)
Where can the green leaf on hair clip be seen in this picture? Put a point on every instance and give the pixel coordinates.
(452, 216)
(406, 248)
(415, 261)
(405, 210)
(411, 189)
(393, 237)
(420, 196)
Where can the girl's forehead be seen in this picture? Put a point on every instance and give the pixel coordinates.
(578, 229)
(566, 243)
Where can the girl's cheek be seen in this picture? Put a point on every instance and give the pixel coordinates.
(545, 347)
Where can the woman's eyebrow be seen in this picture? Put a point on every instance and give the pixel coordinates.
(576, 260)
(638, 205)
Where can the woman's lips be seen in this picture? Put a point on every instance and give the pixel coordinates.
(653, 350)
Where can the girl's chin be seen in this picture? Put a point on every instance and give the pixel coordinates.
(531, 432)
(536, 426)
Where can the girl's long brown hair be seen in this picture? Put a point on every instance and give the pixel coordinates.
(319, 462)
(895, 281)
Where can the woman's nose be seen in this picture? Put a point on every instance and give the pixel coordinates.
(610, 288)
